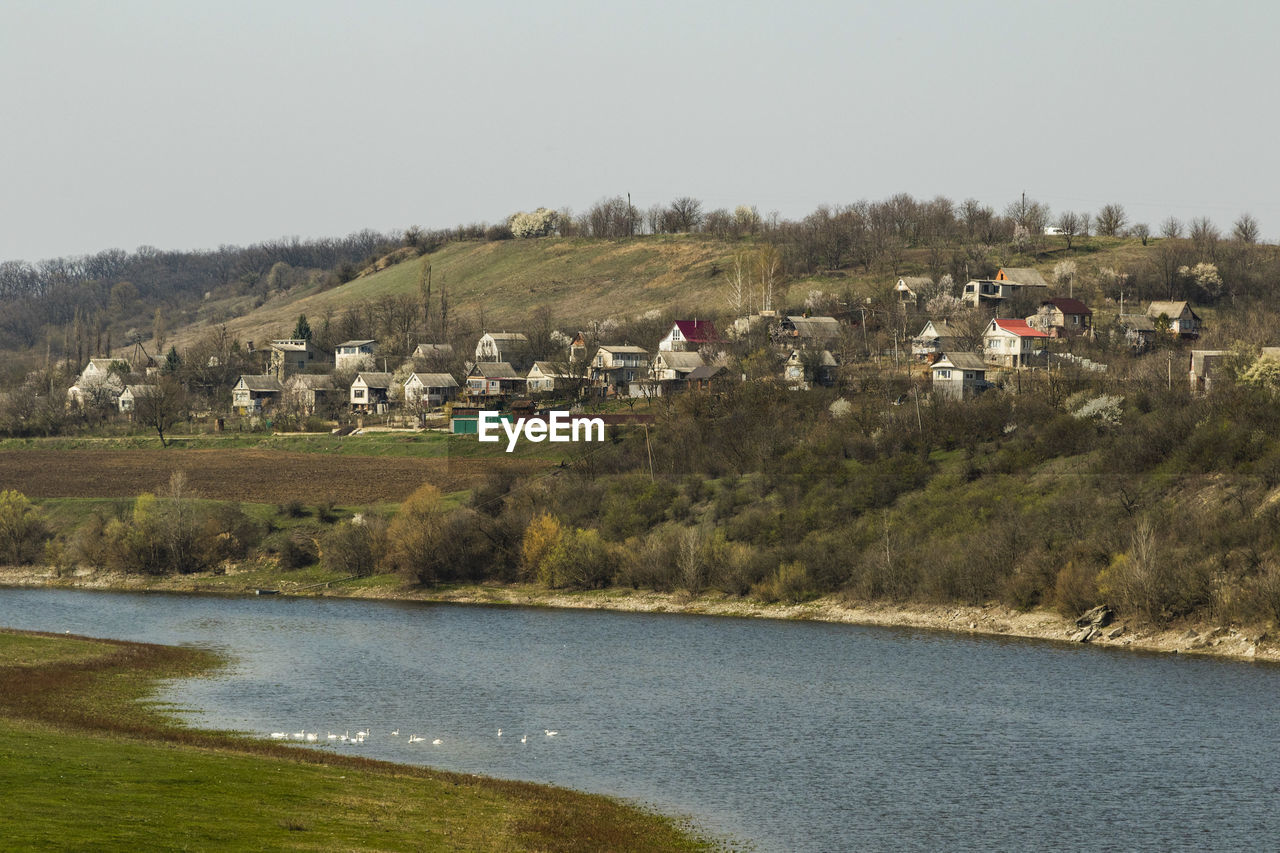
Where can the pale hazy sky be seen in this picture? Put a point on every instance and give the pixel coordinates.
(187, 125)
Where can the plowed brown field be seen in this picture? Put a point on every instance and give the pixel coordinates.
(265, 476)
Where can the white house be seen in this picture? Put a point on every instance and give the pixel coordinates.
(689, 335)
(129, 396)
(429, 389)
(509, 347)
(370, 392)
(100, 382)
(957, 375)
(1183, 322)
(675, 366)
(909, 288)
(615, 367)
(354, 355)
(494, 379)
(1011, 343)
(305, 391)
(546, 376)
(934, 338)
(255, 393)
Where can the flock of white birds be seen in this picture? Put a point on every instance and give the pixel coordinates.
(360, 736)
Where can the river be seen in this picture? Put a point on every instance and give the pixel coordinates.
(780, 735)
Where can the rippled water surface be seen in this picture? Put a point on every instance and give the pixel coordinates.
(789, 736)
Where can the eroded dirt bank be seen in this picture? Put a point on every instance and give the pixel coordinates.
(1242, 642)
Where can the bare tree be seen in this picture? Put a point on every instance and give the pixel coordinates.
(1111, 220)
(1142, 231)
(1069, 224)
(1246, 230)
(769, 267)
(1205, 235)
(162, 407)
(1171, 228)
(685, 214)
(739, 284)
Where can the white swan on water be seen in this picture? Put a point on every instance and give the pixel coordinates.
(415, 739)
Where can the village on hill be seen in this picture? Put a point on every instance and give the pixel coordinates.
(955, 355)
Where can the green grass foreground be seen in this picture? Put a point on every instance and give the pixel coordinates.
(87, 764)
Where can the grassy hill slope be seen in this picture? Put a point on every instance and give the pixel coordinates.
(579, 278)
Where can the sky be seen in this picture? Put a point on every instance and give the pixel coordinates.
(185, 125)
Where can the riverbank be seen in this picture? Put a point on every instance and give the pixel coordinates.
(1239, 642)
(86, 763)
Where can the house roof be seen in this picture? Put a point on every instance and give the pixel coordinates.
(623, 348)
(258, 382)
(509, 337)
(494, 370)
(698, 331)
(1024, 275)
(1172, 310)
(1137, 322)
(707, 371)
(961, 361)
(549, 368)
(434, 380)
(1068, 305)
(291, 345)
(374, 380)
(310, 382)
(1019, 328)
(356, 343)
(427, 349)
(136, 390)
(680, 360)
(815, 327)
(941, 328)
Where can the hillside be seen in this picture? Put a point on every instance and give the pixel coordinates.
(505, 280)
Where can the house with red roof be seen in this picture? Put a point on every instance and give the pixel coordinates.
(1062, 317)
(689, 335)
(1011, 343)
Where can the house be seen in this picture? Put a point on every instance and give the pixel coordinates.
(354, 355)
(806, 367)
(254, 394)
(1011, 343)
(578, 347)
(494, 379)
(1007, 283)
(688, 335)
(708, 378)
(509, 347)
(674, 366)
(1139, 330)
(1062, 317)
(808, 332)
(615, 367)
(959, 375)
(1206, 366)
(100, 383)
(371, 392)
(909, 288)
(305, 392)
(430, 389)
(547, 376)
(935, 337)
(437, 352)
(129, 396)
(1183, 322)
(294, 355)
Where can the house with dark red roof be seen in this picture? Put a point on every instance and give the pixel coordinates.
(1062, 317)
(1012, 343)
(689, 335)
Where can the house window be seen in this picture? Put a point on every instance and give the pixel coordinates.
(944, 374)
(358, 393)
(968, 374)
